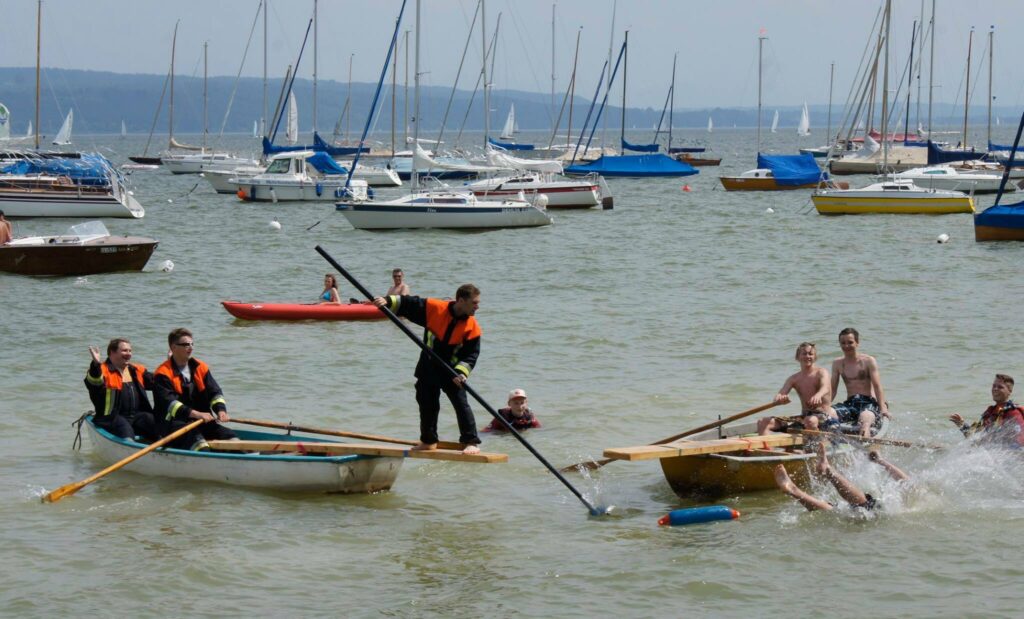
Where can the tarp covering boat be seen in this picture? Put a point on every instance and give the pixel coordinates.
(936, 155)
(89, 169)
(510, 145)
(325, 165)
(1002, 221)
(640, 148)
(425, 162)
(791, 169)
(634, 166)
(318, 145)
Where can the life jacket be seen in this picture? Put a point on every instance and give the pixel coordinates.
(199, 372)
(112, 379)
(444, 327)
(113, 384)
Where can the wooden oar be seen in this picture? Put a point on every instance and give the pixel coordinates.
(469, 389)
(593, 465)
(865, 439)
(69, 489)
(366, 437)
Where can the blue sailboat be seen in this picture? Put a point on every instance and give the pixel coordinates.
(1002, 222)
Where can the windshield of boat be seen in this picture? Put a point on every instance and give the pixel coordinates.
(89, 228)
(279, 166)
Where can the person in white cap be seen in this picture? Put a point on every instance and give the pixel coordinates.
(517, 414)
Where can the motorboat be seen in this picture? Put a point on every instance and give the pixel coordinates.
(85, 249)
(300, 176)
(442, 209)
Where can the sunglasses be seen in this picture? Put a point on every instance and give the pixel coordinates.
(185, 344)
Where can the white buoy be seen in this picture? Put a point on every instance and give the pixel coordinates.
(943, 238)
(541, 201)
(131, 192)
(170, 201)
(769, 210)
(275, 224)
(166, 266)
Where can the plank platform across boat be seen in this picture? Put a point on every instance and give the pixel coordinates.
(302, 311)
(730, 460)
(345, 474)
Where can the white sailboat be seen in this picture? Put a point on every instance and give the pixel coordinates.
(804, 128)
(292, 132)
(64, 135)
(509, 130)
(711, 125)
(5, 123)
(28, 133)
(775, 122)
(255, 129)
(124, 130)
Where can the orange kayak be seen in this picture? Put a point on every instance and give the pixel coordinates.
(302, 311)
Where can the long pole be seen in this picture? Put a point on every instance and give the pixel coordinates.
(416, 105)
(263, 121)
(831, 78)
(170, 107)
(885, 90)
(394, 96)
(931, 70)
(625, 66)
(39, 38)
(553, 60)
(991, 32)
(469, 389)
(572, 86)
(608, 86)
(920, 59)
(405, 98)
(760, 49)
(906, 123)
(967, 87)
(483, 72)
(672, 102)
(206, 123)
(315, 41)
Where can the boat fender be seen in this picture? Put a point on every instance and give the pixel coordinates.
(319, 189)
(541, 201)
(369, 192)
(695, 515)
(273, 195)
(241, 194)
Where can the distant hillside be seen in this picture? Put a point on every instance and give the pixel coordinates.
(102, 100)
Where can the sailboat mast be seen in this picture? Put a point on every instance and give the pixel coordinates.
(906, 123)
(170, 108)
(672, 102)
(315, 41)
(931, 70)
(405, 99)
(416, 104)
(760, 48)
(394, 96)
(348, 100)
(263, 121)
(483, 72)
(967, 87)
(608, 86)
(572, 86)
(920, 59)
(625, 65)
(885, 89)
(831, 78)
(991, 32)
(39, 37)
(553, 60)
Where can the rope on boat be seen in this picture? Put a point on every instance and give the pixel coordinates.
(77, 424)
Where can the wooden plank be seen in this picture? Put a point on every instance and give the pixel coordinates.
(347, 449)
(696, 448)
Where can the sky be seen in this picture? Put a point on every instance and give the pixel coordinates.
(716, 42)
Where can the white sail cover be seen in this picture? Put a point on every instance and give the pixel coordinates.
(5, 122)
(804, 129)
(775, 121)
(711, 125)
(422, 161)
(176, 144)
(64, 135)
(508, 131)
(292, 132)
(502, 159)
(870, 148)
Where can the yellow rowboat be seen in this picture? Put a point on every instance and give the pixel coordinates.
(730, 460)
(900, 197)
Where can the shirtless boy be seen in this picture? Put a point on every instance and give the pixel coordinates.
(812, 385)
(865, 399)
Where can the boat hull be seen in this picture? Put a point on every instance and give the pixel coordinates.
(739, 183)
(856, 205)
(107, 255)
(289, 192)
(291, 473)
(302, 311)
(369, 216)
(67, 203)
(587, 196)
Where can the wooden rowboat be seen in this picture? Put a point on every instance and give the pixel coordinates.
(732, 460)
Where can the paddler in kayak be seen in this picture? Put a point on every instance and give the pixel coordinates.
(330, 296)
(451, 331)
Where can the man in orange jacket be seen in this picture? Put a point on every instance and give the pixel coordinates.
(117, 388)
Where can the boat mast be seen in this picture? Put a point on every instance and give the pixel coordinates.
(831, 78)
(263, 121)
(885, 89)
(625, 65)
(920, 58)
(991, 31)
(170, 108)
(394, 89)
(760, 48)
(405, 99)
(348, 100)
(572, 86)
(315, 41)
(553, 5)
(416, 103)
(672, 102)
(906, 123)
(931, 70)
(608, 87)
(39, 36)
(483, 72)
(967, 87)
(206, 123)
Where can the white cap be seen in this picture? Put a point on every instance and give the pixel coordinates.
(516, 393)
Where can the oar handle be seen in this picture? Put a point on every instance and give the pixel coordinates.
(70, 489)
(387, 312)
(867, 439)
(719, 423)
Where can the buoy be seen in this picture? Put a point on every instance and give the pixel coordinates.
(694, 515)
(943, 238)
(686, 188)
(241, 194)
(541, 201)
(275, 224)
(769, 210)
(170, 201)
(166, 266)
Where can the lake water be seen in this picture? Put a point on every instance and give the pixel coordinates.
(624, 326)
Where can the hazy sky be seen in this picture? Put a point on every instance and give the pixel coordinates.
(716, 41)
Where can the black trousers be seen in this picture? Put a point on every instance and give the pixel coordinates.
(208, 431)
(141, 424)
(428, 396)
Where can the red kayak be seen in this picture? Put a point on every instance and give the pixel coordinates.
(302, 311)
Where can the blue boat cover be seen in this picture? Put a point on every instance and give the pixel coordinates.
(937, 155)
(792, 169)
(90, 169)
(686, 149)
(318, 145)
(1002, 216)
(635, 165)
(640, 148)
(510, 145)
(1005, 147)
(325, 165)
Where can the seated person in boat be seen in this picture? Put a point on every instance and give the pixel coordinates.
(330, 293)
(6, 233)
(865, 403)
(185, 391)
(399, 287)
(117, 388)
(1003, 422)
(517, 414)
(812, 385)
(850, 493)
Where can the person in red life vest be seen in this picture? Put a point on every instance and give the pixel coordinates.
(185, 391)
(517, 414)
(1001, 422)
(451, 331)
(117, 388)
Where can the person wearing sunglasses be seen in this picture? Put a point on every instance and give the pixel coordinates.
(185, 390)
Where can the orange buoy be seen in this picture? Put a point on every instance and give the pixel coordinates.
(686, 188)
(241, 194)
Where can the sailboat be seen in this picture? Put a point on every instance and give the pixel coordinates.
(774, 172)
(64, 135)
(5, 123)
(895, 196)
(509, 130)
(775, 122)
(1002, 222)
(804, 128)
(291, 134)
(438, 209)
(711, 125)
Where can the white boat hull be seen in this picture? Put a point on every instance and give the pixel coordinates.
(194, 164)
(341, 474)
(559, 195)
(42, 203)
(370, 216)
(292, 191)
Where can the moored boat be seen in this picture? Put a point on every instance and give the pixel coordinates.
(451, 210)
(302, 311)
(901, 197)
(85, 249)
